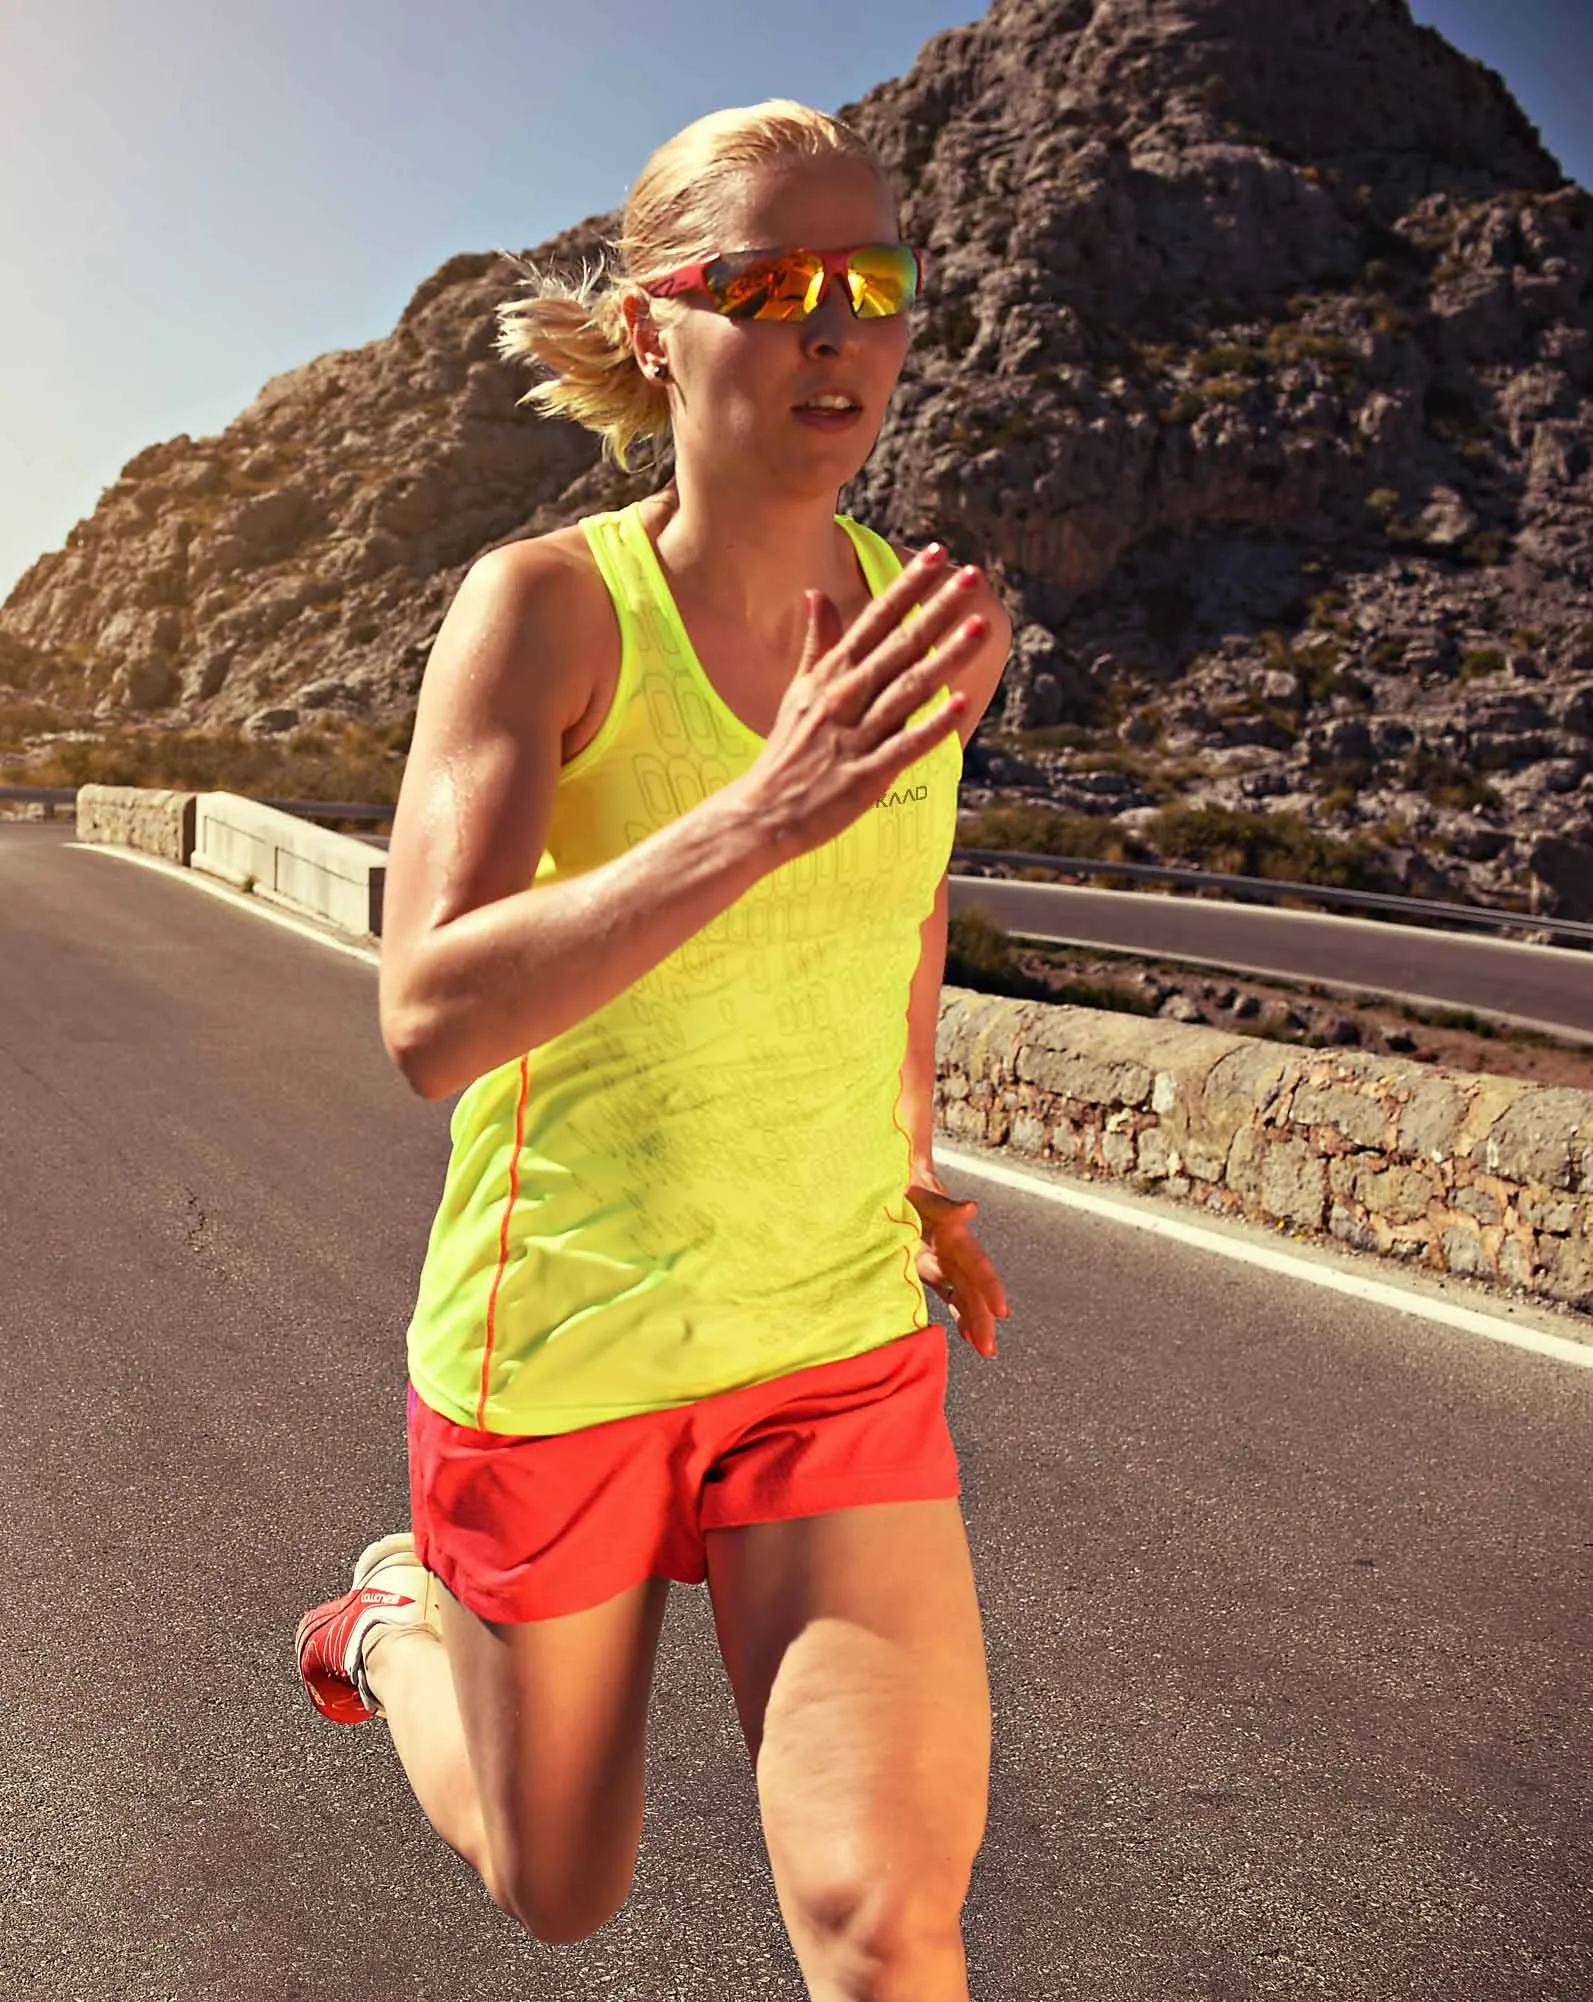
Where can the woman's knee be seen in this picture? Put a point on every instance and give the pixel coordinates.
(559, 1909)
(891, 1932)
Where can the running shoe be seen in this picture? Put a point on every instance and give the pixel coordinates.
(390, 1588)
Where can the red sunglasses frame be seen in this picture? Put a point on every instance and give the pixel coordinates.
(694, 277)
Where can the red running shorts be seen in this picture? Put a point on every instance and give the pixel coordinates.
(530, 1528)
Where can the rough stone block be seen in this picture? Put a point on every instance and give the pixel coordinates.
(1403, 1195)
(1237, 1089)
(965, 1121)
(1515, 1260)
(1117, 1152)
(1477, 1203)
(1281, 1178)
(1545, 1210)
(1431, 1124)
(1352, 1111)
(1464, 1253)
(1567, 1268)
(1158, 1157)
(1028, 1134)
(1091, 1079)
(148, 818)
(1532, 1141)
(1351, 1229)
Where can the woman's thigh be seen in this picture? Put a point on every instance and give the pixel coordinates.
(854, 1647)
(554, 1714)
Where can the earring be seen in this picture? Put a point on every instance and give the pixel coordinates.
(659, 372)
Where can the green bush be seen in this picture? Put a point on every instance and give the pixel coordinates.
(21, 720)
(1480, 662)
(980, 954)
(1042, 830)
(1288, 344)
(1446, 783)
(1282, 847)
(1489, 546)
(1228, 358)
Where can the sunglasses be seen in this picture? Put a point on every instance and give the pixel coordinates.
(881, 280)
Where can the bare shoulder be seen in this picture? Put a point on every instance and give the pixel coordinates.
(982, 677)
(512, 670)
(540, 612)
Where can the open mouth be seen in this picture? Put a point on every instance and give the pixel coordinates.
(833, 409)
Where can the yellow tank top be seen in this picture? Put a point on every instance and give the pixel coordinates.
(701, 1185)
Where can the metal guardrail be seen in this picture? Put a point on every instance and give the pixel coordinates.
(40, 795)
(1251, 889)
(1264, 889)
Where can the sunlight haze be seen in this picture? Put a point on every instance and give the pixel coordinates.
(199, 198)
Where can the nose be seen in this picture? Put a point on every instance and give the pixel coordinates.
(832, 319)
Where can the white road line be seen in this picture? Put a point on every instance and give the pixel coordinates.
(1200, 1238)
(237, 898)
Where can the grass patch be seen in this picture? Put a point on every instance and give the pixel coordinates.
(1445, 782)
(22, 721)
(981, 954)
(1280, 847)
(328, 759)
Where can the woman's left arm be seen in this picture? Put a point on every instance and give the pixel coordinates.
(950, 1258)
(979, 681)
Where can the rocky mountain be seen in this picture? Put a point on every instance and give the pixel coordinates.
(1255, 356)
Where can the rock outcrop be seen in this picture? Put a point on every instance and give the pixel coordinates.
(1255, 356)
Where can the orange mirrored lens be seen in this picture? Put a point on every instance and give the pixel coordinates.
(766, 288)
(786, 285)
(882, 281)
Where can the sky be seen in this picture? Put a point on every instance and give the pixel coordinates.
(194, 198)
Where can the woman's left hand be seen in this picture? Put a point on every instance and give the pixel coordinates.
(952, 1260)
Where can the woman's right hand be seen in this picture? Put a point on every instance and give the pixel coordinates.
(842, 731)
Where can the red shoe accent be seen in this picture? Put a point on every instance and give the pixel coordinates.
(323, 1640)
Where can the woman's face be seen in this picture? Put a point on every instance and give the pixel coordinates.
(743, 389)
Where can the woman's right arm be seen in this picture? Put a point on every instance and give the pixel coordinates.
(478, 963)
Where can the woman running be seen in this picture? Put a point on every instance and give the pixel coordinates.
(666, 897)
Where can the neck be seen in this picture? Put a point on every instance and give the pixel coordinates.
(749, 556)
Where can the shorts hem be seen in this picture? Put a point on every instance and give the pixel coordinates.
(928, 1481)
(528, 1608)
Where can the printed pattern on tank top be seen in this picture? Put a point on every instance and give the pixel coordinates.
(804, 940)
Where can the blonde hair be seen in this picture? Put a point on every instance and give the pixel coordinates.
(577, 329)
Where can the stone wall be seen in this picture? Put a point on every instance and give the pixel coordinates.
(1491, 1177)
(158, 823)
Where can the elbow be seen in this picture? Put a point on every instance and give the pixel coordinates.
(410, 1040)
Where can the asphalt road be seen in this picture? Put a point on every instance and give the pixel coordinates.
(1287, 1600)
(1544, 987)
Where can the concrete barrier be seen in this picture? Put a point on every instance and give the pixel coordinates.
(290, 861)
(1486, 1176)
(154, 822)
